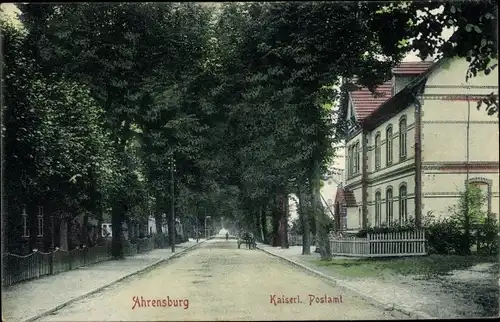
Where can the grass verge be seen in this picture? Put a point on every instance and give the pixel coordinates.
(425, 266)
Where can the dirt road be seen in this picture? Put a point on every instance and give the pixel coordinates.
(220, 282)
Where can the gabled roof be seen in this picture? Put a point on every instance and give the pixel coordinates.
(412, 68)
(345, 197)
(400, 101)
(365, 102)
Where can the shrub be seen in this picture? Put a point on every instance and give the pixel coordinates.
(444, 237)
(447, 235)
(487, 236)
(394, 226)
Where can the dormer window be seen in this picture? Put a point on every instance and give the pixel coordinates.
(351, 125)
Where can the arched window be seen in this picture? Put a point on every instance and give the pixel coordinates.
(484, 185)
(378, 208)
(402, 138)
(39, 218)
(26, 229)
(388, 147)
(377, 151)
(349, 161)
(389, 207)
(403, 204)
(356, 156)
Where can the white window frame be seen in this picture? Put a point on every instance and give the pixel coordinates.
(403, 140)
(388, 148)
(389, 212)
(40, 222)
(378, 208)
(26, 231)
(378, 151)
(105, 227)
(403, 205)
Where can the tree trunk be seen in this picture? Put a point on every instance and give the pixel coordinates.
(321, 219)
(263, 212)
(170, 229)
(276, 223)
(100, 211)
(261, 224)
(256, 223)
(158, 222)
(304, 218)
(285, 221)
(281, 221)
(63, 233)
(117, 231)
(48, 232)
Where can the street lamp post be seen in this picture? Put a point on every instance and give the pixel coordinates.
(206, 231)
(172, 207)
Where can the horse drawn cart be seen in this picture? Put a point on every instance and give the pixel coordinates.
(247, 239)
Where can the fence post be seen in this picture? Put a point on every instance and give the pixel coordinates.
(70, 258)
(39, 264)
(84, 255)
(51, 262)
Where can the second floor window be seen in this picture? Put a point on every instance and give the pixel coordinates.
(377, 151)
(402, 138)
(356, 158)
(349, 161)
(353, 161)
(378, 209)
(388, 147)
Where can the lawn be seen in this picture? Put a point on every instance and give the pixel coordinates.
(424, 266)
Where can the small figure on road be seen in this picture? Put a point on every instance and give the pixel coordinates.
(227, 236)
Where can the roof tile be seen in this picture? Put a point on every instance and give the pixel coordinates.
(346, 197)
(365, 102)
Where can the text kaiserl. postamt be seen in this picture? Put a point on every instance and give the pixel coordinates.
(141, 302)
(311, 299)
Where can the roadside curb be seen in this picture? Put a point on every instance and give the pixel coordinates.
(418, 315)
(100, 288)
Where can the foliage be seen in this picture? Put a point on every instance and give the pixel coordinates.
(394, 226)
(449, 235)
(239, 98)
(443, 237)
(468, 214)
(56, 145)
(487, 236)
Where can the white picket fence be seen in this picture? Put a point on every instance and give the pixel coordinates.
(409, 243)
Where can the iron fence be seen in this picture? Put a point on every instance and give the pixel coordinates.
(18, 268)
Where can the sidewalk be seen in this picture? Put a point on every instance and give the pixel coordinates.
(29, 300)
(383, 294)
(463, 293)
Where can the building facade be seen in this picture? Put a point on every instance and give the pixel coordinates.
(411, 149)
